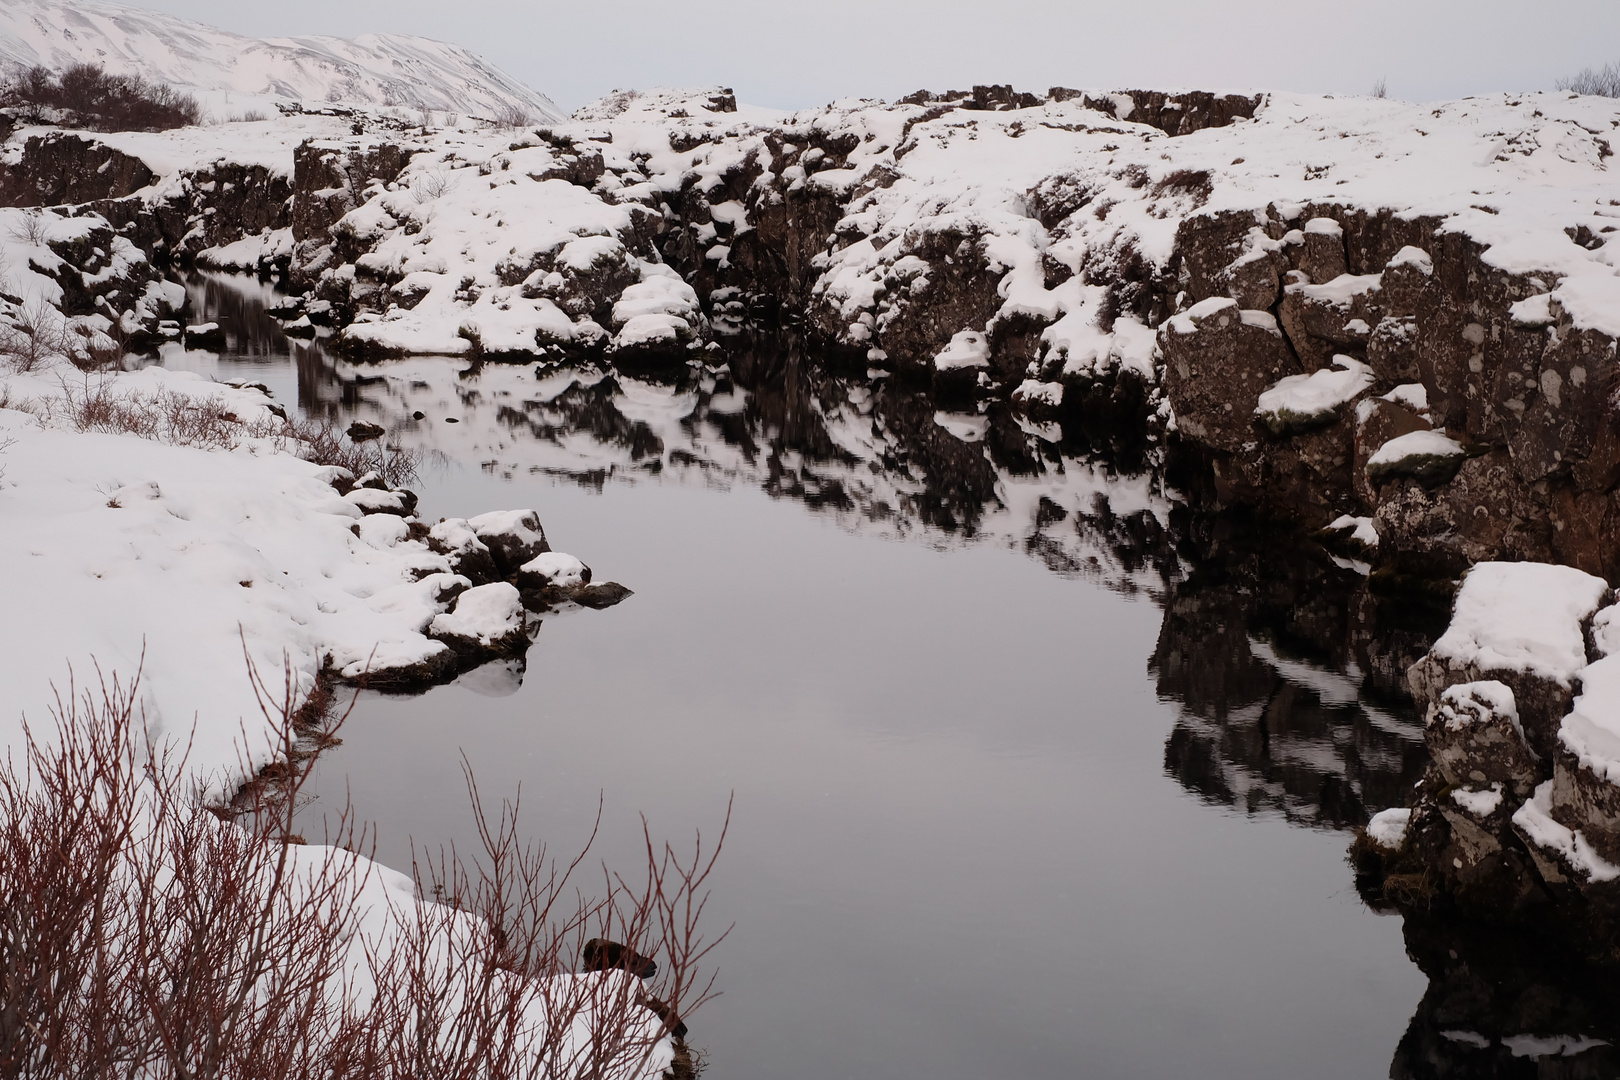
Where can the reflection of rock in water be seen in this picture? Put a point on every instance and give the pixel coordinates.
(237, 304)
(1501, 1006)
(880, 457)
(1265, 646)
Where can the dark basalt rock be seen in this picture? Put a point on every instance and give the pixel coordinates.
(512, 538)
(600, 954)
(600, 596)
(60, 169)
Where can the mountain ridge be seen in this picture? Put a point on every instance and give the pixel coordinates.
(373, 69)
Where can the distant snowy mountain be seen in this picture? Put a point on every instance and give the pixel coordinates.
(376, 69)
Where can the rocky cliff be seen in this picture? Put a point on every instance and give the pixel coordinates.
(1391, 327)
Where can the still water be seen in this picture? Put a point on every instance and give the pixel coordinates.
(1034, 775)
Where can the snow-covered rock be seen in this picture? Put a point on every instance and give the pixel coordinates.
(1429, 457)
(512, 537)
(554, 568)
(485, 618)
(1301, 402)
(1524, 625)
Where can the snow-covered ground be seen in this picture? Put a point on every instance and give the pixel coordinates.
(236, 75)
(161, 523)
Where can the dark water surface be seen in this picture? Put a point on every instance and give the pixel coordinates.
(1033, 776)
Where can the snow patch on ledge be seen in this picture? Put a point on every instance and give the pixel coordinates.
(1591, 731)
(1479, 803)
(1592, 302)
(1301, 400)
(1415, 445)
(1536, 821)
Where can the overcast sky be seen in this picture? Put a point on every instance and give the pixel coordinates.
(807, 53)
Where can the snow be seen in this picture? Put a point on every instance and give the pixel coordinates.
(1414, 446)
(1535, 819)
(1533, 312)
(1522, 617)
(1342, 290)
(520, 526)
(1467, 704)
(236, 74)
(1362, 530)
(1388, 828)
(485, 614)
(557, 568)
(1591, 731)
(1414, 257)
(1606, 631)
(1592, 302)
(1539, 1046)
(1414, 396)
(129, 554)
(967, 349)
(1479, 803)
(122, 547)
(1306, 399)
(1215, 306)
(968, 427)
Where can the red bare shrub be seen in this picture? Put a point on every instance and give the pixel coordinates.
(145, 933)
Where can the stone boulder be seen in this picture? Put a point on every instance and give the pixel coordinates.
(1335, 316)
(1475, 740)
(513, 537)
(469, 556)
(486, 621)
(1521, 624)
(1585, 793)
(1218, 359)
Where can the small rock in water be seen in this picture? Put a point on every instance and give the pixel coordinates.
(360, 431)
(601, 596)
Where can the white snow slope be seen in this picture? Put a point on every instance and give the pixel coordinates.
(375, 69)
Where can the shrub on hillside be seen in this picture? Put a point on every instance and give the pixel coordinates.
(85, 96)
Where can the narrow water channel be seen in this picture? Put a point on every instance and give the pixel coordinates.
(1032, 777)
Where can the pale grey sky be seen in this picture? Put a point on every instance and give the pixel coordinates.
(802, 54)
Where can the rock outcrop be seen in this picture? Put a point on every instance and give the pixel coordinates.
(1517, 819)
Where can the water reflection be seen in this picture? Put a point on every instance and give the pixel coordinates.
(1505, 1006)
(1284, 669)
(1283, 709)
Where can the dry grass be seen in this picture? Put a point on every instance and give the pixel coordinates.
(33, 336)
(325, 443)
(206, 421)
